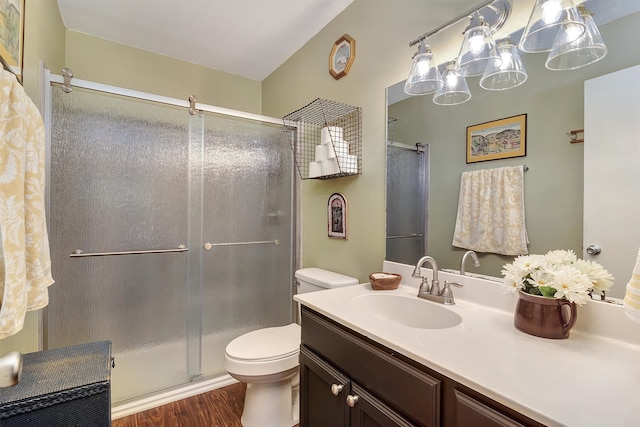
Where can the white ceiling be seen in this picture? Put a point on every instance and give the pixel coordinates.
(250, 38)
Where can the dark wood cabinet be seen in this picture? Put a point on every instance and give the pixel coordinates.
(323, 393)
(329, 398)
(471, 412)
(347, 379)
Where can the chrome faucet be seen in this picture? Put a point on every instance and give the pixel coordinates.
(434, 289)
(433, 292)
(467, 254)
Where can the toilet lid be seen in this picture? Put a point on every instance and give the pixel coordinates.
(266, 344)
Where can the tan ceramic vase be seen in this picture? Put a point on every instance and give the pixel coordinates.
(545, 317)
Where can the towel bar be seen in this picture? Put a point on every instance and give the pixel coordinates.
(276, 242)
(404, 236)
(79, 253)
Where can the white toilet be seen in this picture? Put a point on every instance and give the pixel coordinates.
(267, 360)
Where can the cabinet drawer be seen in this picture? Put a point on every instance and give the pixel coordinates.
(471, 412)
(413, 393)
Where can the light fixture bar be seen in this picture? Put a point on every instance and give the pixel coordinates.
(503, 15)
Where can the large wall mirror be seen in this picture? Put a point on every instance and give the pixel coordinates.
(554, 104)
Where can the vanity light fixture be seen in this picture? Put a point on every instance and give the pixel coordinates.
(424, 77)
(478, 48)
(586, 50)
(455, 90)
(507, 73)
(551, 22)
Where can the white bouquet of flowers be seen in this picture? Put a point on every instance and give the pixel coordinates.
(557, 274)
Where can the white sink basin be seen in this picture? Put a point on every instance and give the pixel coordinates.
(407, 311)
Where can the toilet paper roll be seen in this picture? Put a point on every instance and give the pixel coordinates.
(315, 169)
(321, 153)
(330, 167)
(339, 148)
(348, 163)
(331, 133)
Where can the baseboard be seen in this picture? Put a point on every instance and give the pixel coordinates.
(168, 396)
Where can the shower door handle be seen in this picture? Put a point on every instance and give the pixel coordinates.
(405, 236)
(80, 253)
(208, 246)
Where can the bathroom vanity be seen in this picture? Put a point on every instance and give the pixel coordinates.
(361, 364)
(343, 373)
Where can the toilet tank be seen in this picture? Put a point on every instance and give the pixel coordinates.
(316, 279)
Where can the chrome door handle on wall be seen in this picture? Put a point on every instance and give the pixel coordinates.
(80, 253)
(594, 249)
(208, 246)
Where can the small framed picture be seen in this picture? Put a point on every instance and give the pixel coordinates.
(337, 216)
(12, 34)
(498, 139)
(342, 56)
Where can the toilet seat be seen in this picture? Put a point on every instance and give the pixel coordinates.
(264, 351)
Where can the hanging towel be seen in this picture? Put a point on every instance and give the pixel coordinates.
(491, 212)
(25, 264)
(632, 296)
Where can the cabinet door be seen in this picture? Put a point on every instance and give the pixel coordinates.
(470, 412)
(367, 411)
(323, 392)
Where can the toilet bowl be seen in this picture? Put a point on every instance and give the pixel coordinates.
(267, 360)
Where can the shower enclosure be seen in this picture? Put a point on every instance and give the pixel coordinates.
(407, 196)
(171, 233)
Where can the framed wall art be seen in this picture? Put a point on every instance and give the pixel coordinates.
(342, 56)
(498, 139)
(337, 216)
(12, 34)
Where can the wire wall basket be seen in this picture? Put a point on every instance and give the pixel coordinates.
(326, 139)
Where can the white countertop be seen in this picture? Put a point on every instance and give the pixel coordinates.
(581, 381)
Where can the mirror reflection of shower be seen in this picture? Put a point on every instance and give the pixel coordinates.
(407, 198)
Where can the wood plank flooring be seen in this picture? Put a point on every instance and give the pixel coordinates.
(217, 408)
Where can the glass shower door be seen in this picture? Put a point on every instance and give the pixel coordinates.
(247, 260)
(119, 183)
(407, 195)
(207, 197)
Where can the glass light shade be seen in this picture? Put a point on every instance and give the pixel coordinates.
(586, 50)
(506, 74)
(478, 49)
(551, 21)
(424, 77)
(454, 90)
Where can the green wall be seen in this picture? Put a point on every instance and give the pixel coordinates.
(99, 60)
(381, 30)
(554, 106)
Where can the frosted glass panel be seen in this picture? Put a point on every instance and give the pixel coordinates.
(406, 205)
(119, 182)
(247, 198)
(130, 175)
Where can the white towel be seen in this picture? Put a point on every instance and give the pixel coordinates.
(632, 296)
(25, 265)
(491, 212)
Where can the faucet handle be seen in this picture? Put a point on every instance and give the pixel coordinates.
(447, 293)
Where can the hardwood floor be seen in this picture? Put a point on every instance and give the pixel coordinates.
(217, 408)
